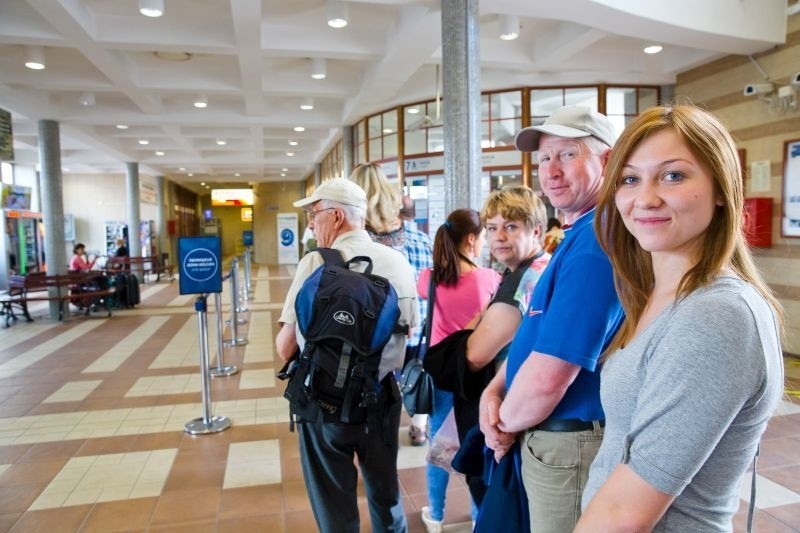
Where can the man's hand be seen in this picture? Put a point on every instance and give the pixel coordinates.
(497, 440)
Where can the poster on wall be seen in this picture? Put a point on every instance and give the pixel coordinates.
(790, 223)
(6, 137)
(287, 239)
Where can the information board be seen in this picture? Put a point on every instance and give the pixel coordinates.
(200, 265)
(247, 237)
(287, 239)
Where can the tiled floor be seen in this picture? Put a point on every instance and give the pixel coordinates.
(92, 414)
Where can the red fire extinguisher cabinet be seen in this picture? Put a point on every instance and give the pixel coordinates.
(758, 221)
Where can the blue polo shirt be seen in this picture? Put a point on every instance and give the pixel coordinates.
(573, 315)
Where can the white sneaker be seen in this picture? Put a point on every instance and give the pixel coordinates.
(433, 526)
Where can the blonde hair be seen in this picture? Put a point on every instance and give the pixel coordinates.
(516, 202)
(383, 199)
(723, 242)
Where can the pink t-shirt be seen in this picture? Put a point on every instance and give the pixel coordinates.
(79, 264)
(456, 305)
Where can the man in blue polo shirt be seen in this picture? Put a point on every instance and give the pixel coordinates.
(548, 393)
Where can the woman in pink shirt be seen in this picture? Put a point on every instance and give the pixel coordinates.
(79, 262)
(462, 290)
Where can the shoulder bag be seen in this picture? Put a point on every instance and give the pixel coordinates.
(416, 385)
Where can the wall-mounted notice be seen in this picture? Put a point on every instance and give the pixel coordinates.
(287, 239)
(6, 137)
(200, 265)
(759, 176)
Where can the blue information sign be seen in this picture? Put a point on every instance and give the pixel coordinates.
(247, 237)
(200, 265)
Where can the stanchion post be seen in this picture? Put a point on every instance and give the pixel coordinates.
(235, 340)
(207, 423)
(248, 282)
(221, 370)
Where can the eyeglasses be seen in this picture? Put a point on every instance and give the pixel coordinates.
(311, 214)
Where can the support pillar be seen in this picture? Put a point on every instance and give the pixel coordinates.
(317, 174)
(52, 206)
(347, 150)
(134, 216)
(462, 114)
(161, 217)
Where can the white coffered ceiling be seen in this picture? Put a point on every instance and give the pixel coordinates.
(252, 59)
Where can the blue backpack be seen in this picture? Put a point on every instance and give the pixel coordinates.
(346, 318)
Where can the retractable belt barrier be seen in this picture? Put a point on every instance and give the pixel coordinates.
(234, 321)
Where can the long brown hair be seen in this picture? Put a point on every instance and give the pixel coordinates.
(723, 243)
(447, 257)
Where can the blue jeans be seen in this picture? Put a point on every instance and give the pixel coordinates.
(438, 477)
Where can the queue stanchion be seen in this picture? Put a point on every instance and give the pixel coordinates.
(236, 298)
(206, 423)
(235, 340)
(248, 281)
(244, 297)
(221, 370)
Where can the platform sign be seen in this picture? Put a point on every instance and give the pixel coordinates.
(247, 237)
(287, 239)
(200, 265)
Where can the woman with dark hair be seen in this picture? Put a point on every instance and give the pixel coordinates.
(694, 374)
(462, 289)
(79, 263)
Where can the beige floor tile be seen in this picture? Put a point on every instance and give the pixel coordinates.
(257, 379)
(73, 391)
(120, 352)
(253, 463)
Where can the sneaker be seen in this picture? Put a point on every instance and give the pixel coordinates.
(433, 526)
(417, 435)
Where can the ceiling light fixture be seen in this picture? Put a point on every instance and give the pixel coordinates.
(190, 174)
(159, 153)
(182, 169)
(337, 13)
(292, 142)
(144, 142)
(509, 27)
(653, 49)
(283, 174)
(319, 69)
(237, 174)
(307, 104)
(221, 142)
(34, 57)
(290, 154)
(284, 170)
(86, 99)
(151, 8)
(122, 126)
(299, 129)
(203, 183)
(201, 102)
(412, 110)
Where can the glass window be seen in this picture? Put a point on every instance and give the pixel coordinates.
(374, 127)
(375, 149)
(544, 102)
(390, 146)
(390, 122)
(486, 113)
(436, 139)
(581, 96)
(414, 142)
(647, 98)
(621, 101)
(504, 131)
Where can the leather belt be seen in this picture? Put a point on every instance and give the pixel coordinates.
(566, 425)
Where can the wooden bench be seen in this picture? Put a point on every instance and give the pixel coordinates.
(78, 288)
(148, 264)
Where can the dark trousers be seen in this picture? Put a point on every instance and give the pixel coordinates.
(466, 414)
(326, 454)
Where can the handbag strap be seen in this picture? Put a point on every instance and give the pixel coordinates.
(431, 303)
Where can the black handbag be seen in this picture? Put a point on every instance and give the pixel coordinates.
(416, 385)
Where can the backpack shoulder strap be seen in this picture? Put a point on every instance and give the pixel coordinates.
(332, 256)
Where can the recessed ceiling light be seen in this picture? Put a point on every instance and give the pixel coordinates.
(144, 142)
(86, 99)
(292, 143)
(151, 8)
(284, 170)
(299, 129)
(290, 154)
(208, 186)
(221, 142)
(34, 57)
(412, 110)
(283, 174)
(201, 102)
(122, 126)
(307, 104)
(653, 49)
(237, 174)
(190, 174)
(159, 152)
(182, 169)
(202, 183)
(337, 13)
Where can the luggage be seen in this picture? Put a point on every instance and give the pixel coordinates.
(127, 287)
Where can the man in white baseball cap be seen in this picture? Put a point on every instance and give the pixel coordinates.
(549, 389)
(336, 212)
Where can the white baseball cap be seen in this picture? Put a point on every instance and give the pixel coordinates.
(571, 121)
(337, 190)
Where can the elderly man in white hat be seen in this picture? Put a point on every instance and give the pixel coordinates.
(547, 394)
(336, 212)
